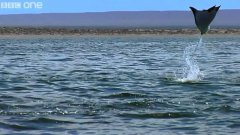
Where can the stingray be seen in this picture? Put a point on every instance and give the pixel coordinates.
(204, 18)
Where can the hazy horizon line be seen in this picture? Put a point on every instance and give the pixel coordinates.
(106, 12)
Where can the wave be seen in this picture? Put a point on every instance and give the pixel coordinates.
(159, 115)
(126, 95)
(16, 126)
(49, 120)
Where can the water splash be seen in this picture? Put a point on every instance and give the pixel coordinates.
(191, 71)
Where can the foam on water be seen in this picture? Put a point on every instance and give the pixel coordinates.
(191, 71)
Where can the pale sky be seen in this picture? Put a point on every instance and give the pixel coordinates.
(79, 6)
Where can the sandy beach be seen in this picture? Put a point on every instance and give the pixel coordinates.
(108, 31)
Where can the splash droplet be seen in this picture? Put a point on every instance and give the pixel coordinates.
(191, 71)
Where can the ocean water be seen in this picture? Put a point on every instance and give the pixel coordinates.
(120, 84)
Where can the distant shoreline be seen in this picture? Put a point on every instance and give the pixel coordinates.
(108, 31)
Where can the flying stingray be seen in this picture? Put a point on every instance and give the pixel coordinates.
(204, 18)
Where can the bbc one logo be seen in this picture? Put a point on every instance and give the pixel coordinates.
(21, 5)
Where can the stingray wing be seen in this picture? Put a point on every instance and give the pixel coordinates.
(204, 18)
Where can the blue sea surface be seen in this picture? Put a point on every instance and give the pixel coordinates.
(118, 85)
